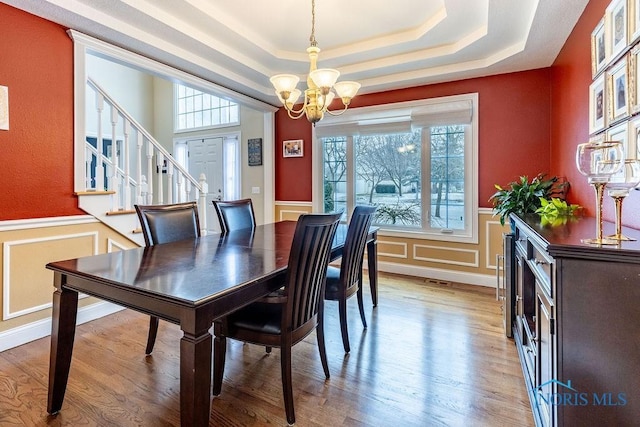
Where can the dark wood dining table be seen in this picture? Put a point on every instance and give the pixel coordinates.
(189, 282)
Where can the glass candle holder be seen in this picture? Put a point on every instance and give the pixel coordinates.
(589, 158)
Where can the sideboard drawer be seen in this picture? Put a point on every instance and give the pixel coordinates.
(541, 265)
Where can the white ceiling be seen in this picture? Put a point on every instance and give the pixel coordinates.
(383, 44)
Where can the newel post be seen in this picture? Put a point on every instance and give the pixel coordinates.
(202, 202)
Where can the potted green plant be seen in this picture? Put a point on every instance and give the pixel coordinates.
(523, 196)
(556, 211)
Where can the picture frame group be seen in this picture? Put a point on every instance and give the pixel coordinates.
(614, 94)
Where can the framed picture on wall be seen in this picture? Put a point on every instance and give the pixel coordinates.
(618, 90)
(4, 108)
(597, 105)
(293, 148)
(634, 20)
(634, 139)
(620, 132)
(254, 150)
(634, 85)
(616, 21)
(599, 49)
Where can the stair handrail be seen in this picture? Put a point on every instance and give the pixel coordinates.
(146, 134)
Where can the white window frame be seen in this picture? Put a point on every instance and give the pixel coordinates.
(399, 115)
(178, 130)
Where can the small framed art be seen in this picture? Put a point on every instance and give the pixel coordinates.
(597, 105)
(634, 139)
(4, 108)
(620, 132)
(599, 49)
(634, 82)
(616, 18)
(293, 148)
(254, 150)
(634, 20)
(618, 90)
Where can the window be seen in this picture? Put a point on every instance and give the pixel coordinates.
(197, 110)
(416, 161)
(335, 174)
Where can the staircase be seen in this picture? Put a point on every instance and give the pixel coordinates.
(136, 169)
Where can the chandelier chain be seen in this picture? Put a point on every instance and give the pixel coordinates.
(312, 39)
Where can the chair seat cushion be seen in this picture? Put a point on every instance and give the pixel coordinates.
(259, 317)
(332, 288)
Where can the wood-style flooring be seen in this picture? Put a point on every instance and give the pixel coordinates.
(433, 355)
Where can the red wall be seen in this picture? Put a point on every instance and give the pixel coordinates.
(570, 80)
(513, 131)
(36, 64)
(530, 122)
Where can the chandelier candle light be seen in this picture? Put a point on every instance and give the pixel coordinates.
(320, 82)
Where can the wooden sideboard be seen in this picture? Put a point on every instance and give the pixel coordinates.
(576, 322)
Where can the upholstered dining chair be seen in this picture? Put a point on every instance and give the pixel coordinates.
(285, 321)
(165, 224)
(346, 281)
(235, 214)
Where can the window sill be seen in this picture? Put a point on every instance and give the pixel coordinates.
(427, 235)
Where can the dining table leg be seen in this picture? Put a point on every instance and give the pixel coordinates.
(195, 378)
(63, 329)
(372, 262)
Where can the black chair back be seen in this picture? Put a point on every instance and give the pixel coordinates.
(307, 268)
(235, 214)
(355, 242)
(168, 223)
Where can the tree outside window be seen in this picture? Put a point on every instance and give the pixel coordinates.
(388, 174)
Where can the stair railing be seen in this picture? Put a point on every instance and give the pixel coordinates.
(132, 164)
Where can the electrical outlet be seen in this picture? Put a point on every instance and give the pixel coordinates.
(255, 190)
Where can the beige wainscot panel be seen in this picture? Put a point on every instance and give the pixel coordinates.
(494, 232)
(465, 262)
(290, 211)
(27, 246)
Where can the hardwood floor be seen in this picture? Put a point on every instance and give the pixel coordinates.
(433, 355)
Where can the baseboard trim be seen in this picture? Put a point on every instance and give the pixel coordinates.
(437, 274)
(42, 328)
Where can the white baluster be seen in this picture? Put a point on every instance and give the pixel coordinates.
(127, 169)
(149, 173)
(202, 202)
(114, 184)
(144, 189)
(180, 189)
(99, 156)
(188, 190)
(170, 195)
(139, 199)
(160, 164)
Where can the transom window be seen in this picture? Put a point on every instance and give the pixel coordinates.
(417, 162)
(198, 110)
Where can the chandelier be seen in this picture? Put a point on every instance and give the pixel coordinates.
(320, 82)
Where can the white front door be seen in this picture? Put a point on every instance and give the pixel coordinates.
(205, 156)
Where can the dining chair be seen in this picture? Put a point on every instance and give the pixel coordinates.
(346, 281)
(285, 321)
(165, 224)
(235, 214)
